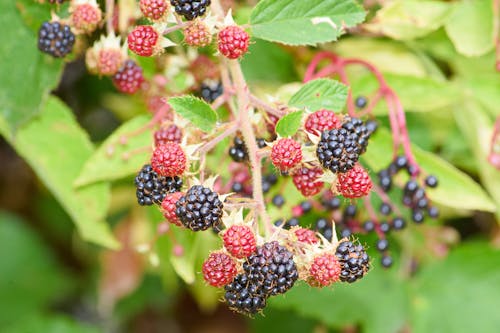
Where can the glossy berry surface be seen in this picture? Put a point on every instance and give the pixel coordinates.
(190, 9)
(306, 180)
(245, 296)
(320, 121)
(152, 188)
(233, 41)
(219, 269)
(56, 39)
(168, 207)
(325, 270)
(210, 90)
(355, 183)
(199, 209)
(239, 241)
(169, 159)
(143, 40)
(354, 261)
(286, 153)
(129, 78)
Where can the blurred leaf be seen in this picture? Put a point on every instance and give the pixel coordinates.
(56, 148)
(31, 74)
(268, 62)
(408, 19)
(30, 277)
(304, 22)
(456, 189)
(282, 321)
(108, 162)
(470, 27)
(477, 129)
(459, 294)
(320, 94)
(289, 124)
(50, 324)
(378, 302)
(197, 111)
(484, 88)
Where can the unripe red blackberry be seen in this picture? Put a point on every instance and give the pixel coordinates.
(305, 235)
(320, 121)
(129, 78)
(56, 39)
(324, 271)
(219, 269)
(286, 154)
(168, 207)
(144, 40)
(239, 241)
(106, 56)
(197, 34)
(273, 267)
(353, 259)
(169, 159)
(306, 180)
(154, 10)
(245, 296)
(199, 209)
(190, 9)
(152, 188)
(85, 15)
(233, 41)
(172, 133)
(355, 183)
(339, 149)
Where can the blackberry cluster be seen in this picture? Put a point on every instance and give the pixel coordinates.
(210, 90)
(190, 9)
(199, 209)
(354, 261)
(272, 267)
(152, 188)
(56, 39)
(339, 149)
(414, 195)
(238, 151)
(244, 296)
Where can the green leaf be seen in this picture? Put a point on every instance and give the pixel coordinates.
(456, 189)
(470, 27)
(467, 285)
(378, 302)
(121, 163)
(24, 257)
(298, 22)
(409, 19)
(29, 74)
(56, 148)
(289, 124)
(52, 324)
(198, 112)
(320, 94)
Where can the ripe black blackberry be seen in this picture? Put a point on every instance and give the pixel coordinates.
(199, 209)
(361, 102)
(271, 266)
(339, 149)
(210, 90)
(152, 188)
(354, 261)
(56, 39)
(244, 296)
(238, 151)
(190, 9)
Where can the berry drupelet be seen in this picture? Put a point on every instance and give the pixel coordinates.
(238, 151)
(152, 188)
(354, 261)
(56, 39)
(190, 9)
(199, 209)
(245, 296)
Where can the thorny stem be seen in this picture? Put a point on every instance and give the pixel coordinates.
(175, 27)
(258, 103)
(396, 112)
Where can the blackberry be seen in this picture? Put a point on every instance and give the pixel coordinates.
(401, 162)
(152, 188)
(245, 296)
(417, 216)
(321, 224)
(398, 223)
(431, 181)
(339, 149)
(328, 234)
(369, 226)
(385, 180)
(350, 211)
(278, 200)
(199, 209)
(331, 203)
(386, 261)
(433, 212)
(261, 143)
(306, 206)
(385, 209)
(293, 222)
(371, 126)
(190, 9)
(354, 261)
(56, 39)
(237, 187)
(361, 102)
(238, 151)
(385, 227)
(382, 244)
(345, 233)
(272, 267)
(210, 90)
